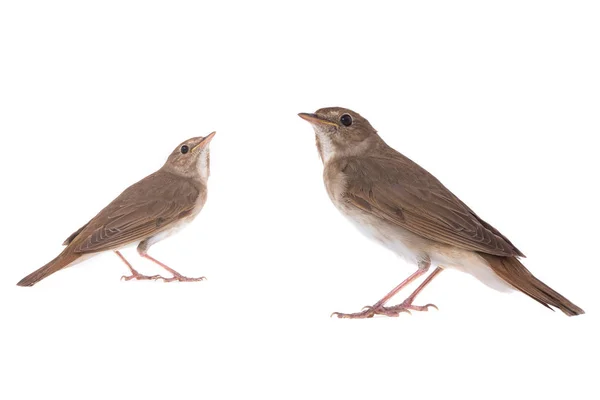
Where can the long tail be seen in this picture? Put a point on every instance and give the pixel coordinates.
(63, 260)
(512, 271)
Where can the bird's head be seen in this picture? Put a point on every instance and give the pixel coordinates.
(191, 158)
(340, 132)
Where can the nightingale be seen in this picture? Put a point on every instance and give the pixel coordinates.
(400, 205)
(145, 213)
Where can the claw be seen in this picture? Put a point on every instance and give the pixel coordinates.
(419, 308)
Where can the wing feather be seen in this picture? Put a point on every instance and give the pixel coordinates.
(398, 190)
(143, 209)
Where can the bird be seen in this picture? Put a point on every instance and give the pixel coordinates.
(145, 213)
(400, 205)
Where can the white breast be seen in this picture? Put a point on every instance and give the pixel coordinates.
(401, 242)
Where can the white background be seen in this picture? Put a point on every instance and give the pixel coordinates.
(500, 102)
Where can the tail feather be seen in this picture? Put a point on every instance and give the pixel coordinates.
(63, 260)
(513, 272)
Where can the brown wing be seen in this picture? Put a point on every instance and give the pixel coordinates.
(143, 209)
(398, 190)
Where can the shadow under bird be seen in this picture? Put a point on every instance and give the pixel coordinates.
(145, 213)
(394, 201)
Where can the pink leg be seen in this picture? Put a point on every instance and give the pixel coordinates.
(405, 306)
(134, 274)
(176, 275)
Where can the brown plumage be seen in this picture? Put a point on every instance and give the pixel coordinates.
(146, 212)
(398, 190)
(512, 271)
(63, 260)
(402, 206)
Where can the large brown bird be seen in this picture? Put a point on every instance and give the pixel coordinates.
(397, 203)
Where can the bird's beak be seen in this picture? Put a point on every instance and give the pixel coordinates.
(204, 142)
(315, 119)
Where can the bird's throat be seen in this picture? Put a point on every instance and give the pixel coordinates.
(325, 147)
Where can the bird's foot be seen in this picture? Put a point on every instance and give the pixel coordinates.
(139, 277)
(393, 311)
(180, 278)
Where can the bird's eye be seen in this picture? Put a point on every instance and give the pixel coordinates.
(184, 149)
(346, 120)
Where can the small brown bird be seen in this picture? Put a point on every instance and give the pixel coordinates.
(397, 203)
(145, 213)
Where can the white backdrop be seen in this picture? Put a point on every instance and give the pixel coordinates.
(500, 102)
